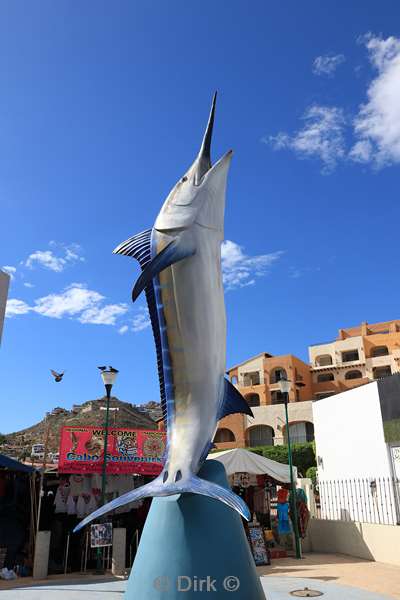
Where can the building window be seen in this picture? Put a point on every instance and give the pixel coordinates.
(252, 399)
(325, 377)
(224, 435)
(380, 372)
(260, 435)
(277, 374)
(379, 351)
(300, 433)
(277, 397)
(350, 355)
(252, 378)
(234, 379)
(353, 375)
(324, 360)
(323, 395)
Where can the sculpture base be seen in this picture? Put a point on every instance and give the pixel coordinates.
(193, 545)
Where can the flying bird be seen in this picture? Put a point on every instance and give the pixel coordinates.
(57, 376)
(180, 257)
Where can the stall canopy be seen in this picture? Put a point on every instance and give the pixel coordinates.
(239, 460)
(13, 465)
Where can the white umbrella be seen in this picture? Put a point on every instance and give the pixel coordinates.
(239, 460)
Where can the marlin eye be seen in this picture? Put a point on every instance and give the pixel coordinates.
(184, 179)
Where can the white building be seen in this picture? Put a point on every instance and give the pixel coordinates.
(358, 451)
(4, 284)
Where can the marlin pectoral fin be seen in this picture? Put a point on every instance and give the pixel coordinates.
(174, 252)
(233, 402)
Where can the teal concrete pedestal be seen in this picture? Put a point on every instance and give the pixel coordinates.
(192, 546)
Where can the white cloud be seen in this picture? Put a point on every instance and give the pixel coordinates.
(46, 259)
(141, 320)
(49, 260)
(75, 302)
(75, 299)
(327, 64)
(10, 270)
(28, 285)
(377, 125)
(362, 151)
(16, 307)
(123, 329)
(295, 273)
(321, 137)
(240, 270)
(105, 315)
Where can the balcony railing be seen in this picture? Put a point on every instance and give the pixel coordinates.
(249, 382)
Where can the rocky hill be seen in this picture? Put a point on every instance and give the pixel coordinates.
(19, 444)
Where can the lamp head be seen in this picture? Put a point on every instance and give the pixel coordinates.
(284, 385)
(109, 377)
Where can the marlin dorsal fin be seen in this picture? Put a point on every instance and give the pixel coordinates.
(233, 402)
(137, 246)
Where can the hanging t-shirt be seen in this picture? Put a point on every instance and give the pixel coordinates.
(259, 501)
(81, 507)
(283, 494)
(71, 506)
(283, 518)
(96, 484)
(91, 505)
(76, 485)
(60, 501)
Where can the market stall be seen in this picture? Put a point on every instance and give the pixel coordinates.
(17, 517)
(264, 484)
(75, 489)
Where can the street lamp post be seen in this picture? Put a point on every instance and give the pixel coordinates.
(109, 376)
(284, 386)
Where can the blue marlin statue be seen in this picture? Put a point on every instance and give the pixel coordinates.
(181, 276)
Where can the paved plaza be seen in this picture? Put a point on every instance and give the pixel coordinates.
(337, 577)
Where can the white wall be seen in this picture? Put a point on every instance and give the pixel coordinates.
(349, 435)
(364, 540)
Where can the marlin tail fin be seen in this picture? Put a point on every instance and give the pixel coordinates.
(158, 488)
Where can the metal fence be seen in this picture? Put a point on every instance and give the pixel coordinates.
(369, 500)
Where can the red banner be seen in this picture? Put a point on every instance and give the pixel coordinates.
(128, 450)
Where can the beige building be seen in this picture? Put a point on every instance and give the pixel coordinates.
(359, 355)
(258, 381)
(4, 284)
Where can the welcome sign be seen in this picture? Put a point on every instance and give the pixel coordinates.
(128, 450)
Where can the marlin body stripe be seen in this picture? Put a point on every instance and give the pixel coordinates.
(181, 276)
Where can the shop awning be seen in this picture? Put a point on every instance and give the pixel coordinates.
(13, 465)
(239, 460)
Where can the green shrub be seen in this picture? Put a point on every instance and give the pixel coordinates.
(312, 474)
(303, 455)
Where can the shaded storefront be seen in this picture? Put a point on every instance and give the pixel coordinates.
(17, 515)
(74, 490)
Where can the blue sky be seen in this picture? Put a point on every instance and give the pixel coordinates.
(102, 108)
